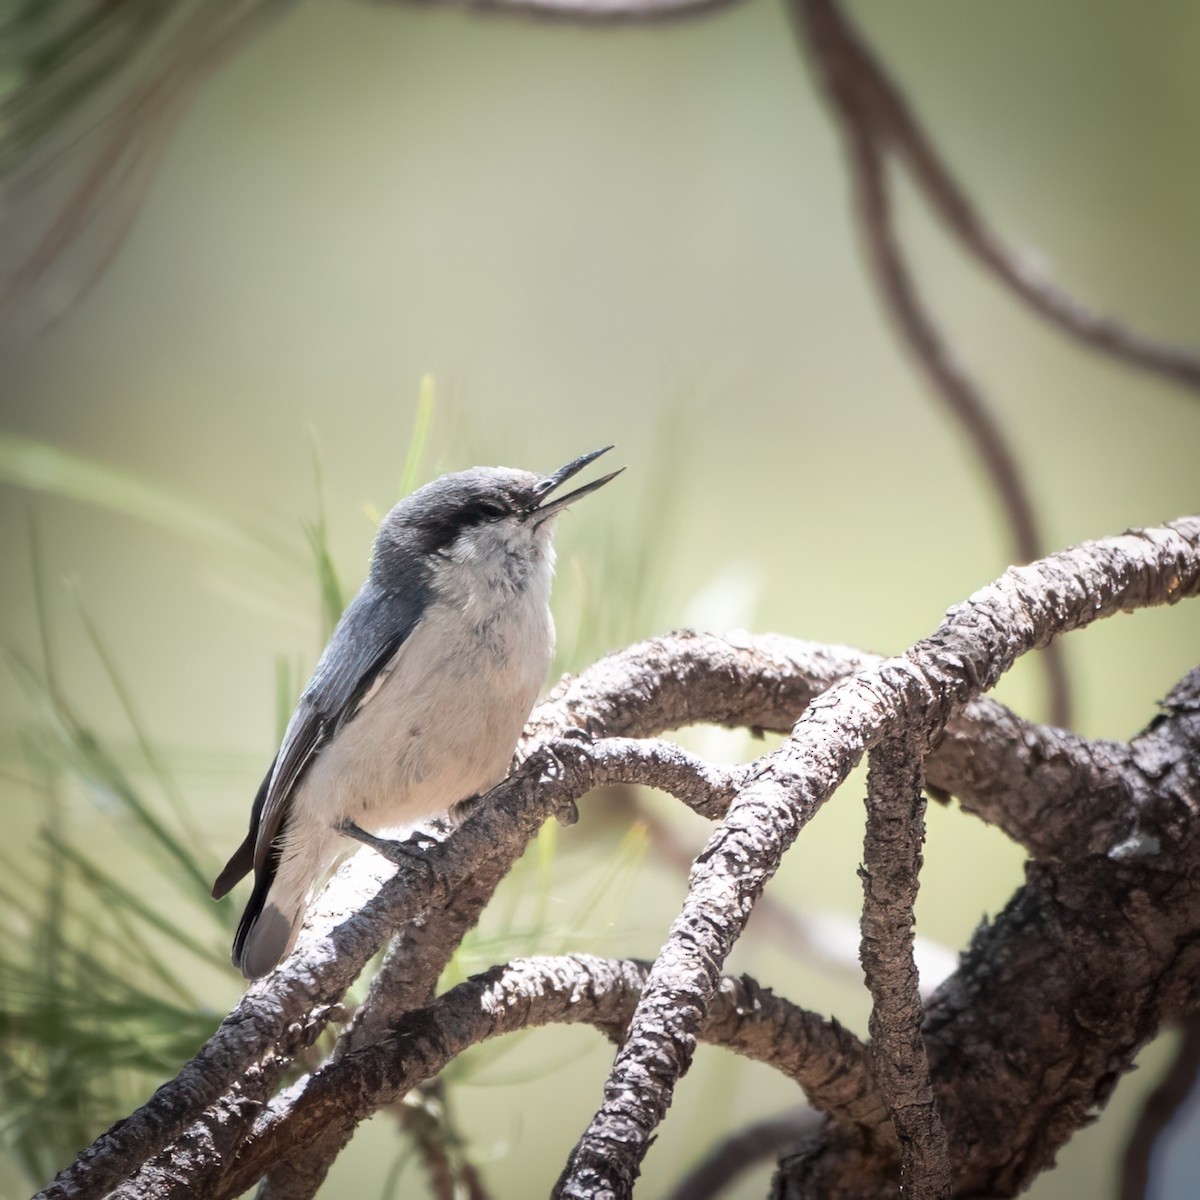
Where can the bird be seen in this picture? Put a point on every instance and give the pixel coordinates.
(418, 700)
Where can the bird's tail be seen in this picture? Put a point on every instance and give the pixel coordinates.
(270, 923)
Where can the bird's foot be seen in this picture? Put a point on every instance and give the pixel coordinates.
(571, 740)
(395, 850)
(573, 733)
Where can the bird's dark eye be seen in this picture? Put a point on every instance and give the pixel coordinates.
(492, 509)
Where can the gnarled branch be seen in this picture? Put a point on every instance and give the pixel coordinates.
(915, 693)
(827, 1061)
(766, 682)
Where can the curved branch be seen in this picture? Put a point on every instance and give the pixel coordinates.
(1051, 791)
(986, 757)
(689, 678)
(743, 1150)
(591, 12)
(827, 1061)
(1159, 1109)
(915, 694)
(707, 790)
(834, 36)
(902, 301)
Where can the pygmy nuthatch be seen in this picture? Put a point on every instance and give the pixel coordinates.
(419, 698)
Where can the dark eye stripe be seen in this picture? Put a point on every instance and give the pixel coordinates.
(438, 531)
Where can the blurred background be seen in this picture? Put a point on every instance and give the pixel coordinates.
(383, 241)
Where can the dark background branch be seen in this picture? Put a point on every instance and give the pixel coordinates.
(1161, 1106)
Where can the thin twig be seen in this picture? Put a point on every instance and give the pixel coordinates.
(1158, 1110)
(890, 874)
(743, 1150)
(592, 12)
(424, 1113)
(904, 304)
(950, 382)
(892, 115)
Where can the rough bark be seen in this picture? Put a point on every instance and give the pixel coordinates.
(890, 874)
(915, 693)
(1110, 826)
(1055, 998)
(827, 1061)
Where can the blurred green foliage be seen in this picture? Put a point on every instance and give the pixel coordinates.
(105, 984)
(97, 1003)
(562, 224)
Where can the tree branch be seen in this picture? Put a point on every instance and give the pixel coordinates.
(892, 117)
(1052, 1002)
(839, 72)
(1159, 1109)
(745, 1149)
(916, 694)
(822, 1057)
(641, 12)
(890, 874)
(664, 683)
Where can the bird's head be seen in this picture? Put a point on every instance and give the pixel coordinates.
(482, 514)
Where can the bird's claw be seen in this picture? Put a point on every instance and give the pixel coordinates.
(395, 850)
(576, 733)
(572, 741)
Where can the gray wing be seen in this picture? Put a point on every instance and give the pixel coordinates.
(374, 626)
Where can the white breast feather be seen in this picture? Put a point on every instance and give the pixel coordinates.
(439, 723)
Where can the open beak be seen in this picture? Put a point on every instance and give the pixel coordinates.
(543, 507)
